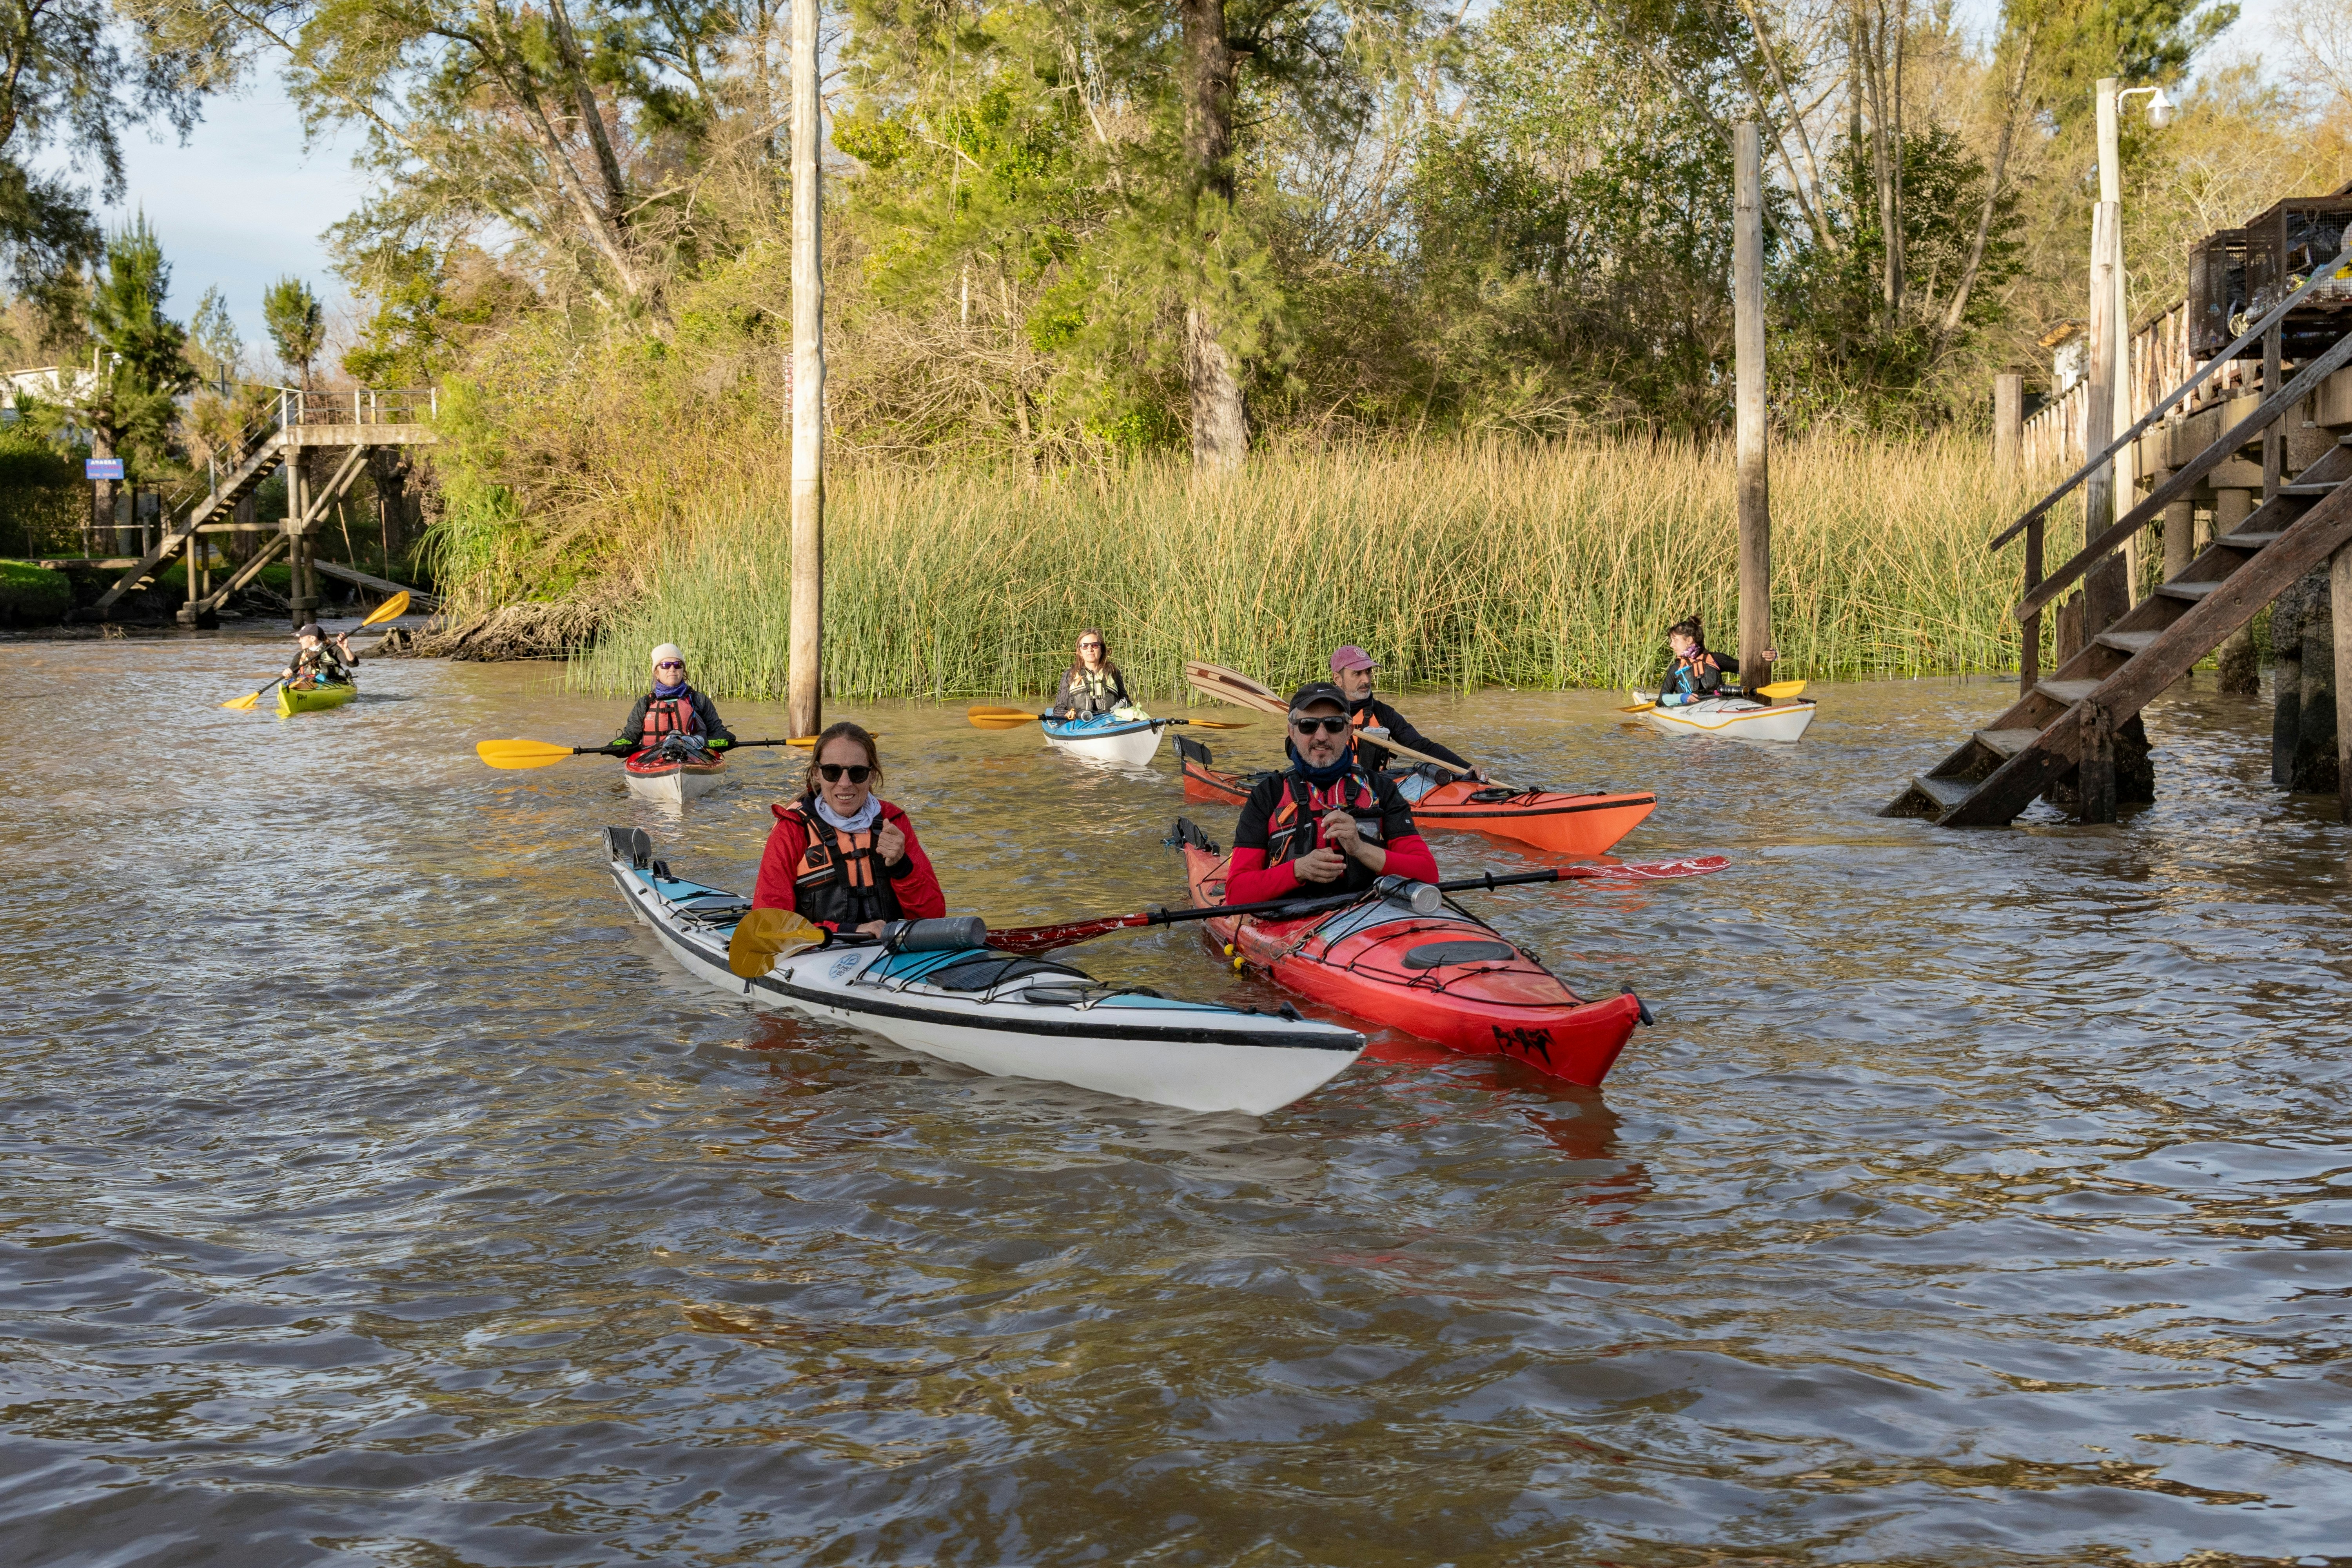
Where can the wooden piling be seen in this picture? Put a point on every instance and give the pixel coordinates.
(2097, 771)
(1747, 338)
(805, 680)
(2105, 593)
(2339, 587)
(2008, 421)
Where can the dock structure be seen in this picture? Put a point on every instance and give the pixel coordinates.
(349, 425)
(2256, 429)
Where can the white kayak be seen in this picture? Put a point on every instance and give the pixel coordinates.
(1015, 1017)
(1737, 717)
(1126, 735)
(673, 780)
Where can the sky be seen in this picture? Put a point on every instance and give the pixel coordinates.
(246, 203)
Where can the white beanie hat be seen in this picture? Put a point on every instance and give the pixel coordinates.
(668, 650)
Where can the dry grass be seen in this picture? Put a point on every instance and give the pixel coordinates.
(1462, 566)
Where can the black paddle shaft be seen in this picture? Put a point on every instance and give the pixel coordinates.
(1287, 908)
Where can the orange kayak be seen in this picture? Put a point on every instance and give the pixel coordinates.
(1448, 977)
(1549, 819)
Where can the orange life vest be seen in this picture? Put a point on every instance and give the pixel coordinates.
(671, 716)
(839, 882)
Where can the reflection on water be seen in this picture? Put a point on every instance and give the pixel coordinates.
(377, 1195)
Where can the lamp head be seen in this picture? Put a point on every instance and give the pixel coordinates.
(2160, 110)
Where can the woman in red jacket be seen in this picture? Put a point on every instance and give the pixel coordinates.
(1324, 825)
(841, 854)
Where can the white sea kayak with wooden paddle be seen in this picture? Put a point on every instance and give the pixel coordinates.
(935, 989)
(1735, 716)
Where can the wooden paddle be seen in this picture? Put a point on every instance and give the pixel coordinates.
(1242, 693)
(986, 718)
(1030, 940)
(392, 609)
(1775, 692)
(516, 754)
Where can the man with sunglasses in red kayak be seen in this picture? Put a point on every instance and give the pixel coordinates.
(1326, 823)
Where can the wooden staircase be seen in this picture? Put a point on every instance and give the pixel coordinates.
(262, 458)
(2066, 722)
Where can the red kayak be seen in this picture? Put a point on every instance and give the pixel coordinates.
(1448, 977)
(1567, 824)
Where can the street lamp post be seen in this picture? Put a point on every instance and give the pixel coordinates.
(2110, 591)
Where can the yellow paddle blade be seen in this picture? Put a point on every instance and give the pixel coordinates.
(1638, 708)
(1779, 688)
(243, 704)
(764, 936)
(519, 753)
(999, 717)
(392, 609)
(1214, 724)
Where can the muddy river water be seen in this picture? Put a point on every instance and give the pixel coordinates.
(375, 1192)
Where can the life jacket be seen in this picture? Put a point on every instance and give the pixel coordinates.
(1294, 827)
(671, 716)
(839, 882)
(1091, 693)
(1689, 676)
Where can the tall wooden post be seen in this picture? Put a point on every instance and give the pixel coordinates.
(298, 602)
(2105, 596)
(2008, 422)
(2339, 593)
(804, 686)
(2241, 669)
(1747, 338)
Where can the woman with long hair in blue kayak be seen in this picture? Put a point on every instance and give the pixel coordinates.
(1092, 685)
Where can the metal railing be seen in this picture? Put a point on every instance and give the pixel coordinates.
(361, 406)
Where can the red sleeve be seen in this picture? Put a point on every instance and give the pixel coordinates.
(1250, 881)
(1409, 857)
(919, 898)
(786, 841)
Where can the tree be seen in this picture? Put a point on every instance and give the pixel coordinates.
(214, 347)
(297, 328)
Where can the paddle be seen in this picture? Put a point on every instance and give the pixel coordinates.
(986, 718)
(1243, 692)
(763, 936)
(515, 755)
(1775, 692)
(1030, 940)
(392, 609)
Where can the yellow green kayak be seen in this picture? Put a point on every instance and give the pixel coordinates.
(310, 699)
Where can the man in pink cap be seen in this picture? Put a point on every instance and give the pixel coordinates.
(1352, 670)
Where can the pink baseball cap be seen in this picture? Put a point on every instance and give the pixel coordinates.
(1351, 658)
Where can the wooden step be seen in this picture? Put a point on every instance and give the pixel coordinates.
(1946, 793)
(2310, 488)
(2007, 743)
(2192, 592)
(2125, 642)
(2246, 541)
(2067, 692)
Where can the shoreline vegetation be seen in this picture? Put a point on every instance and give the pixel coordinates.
(1552, 565)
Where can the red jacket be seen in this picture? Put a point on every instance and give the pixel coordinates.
(916, 884)
(1250, 880)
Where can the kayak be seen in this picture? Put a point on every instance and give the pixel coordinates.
(1447, 976)
(1014, 1018)
(671, 779)
(1552, 819)
(1125, 735)
(1738, 717)
(311, 698)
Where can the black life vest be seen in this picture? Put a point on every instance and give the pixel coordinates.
(1092, 693)
(840, 881)
(1697, 676)
(1294, 827)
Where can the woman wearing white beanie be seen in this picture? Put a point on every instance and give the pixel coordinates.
(673, 708)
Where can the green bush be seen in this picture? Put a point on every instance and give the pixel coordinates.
(44, 499)
(33, 596)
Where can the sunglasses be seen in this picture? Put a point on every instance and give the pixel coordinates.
(1337, 725)
(1083, 646)
(858, 772)
(669, 664)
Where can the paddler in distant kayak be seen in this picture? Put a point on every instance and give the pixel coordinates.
(1327, 823)
(841, 855)
(1694, 672)
(319, 659)
(673, 712)
(1093, 685)
(1351, 669)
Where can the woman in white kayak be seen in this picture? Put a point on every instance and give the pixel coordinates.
(1093, 685)
(673, 708)
(1695, 674)
(841, 855)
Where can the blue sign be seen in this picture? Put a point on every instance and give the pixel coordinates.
(101, 468)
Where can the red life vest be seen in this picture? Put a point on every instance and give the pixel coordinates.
(670, 716)
(839, 882)
(1296, 826)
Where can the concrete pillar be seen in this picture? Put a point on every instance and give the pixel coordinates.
(2241, 667)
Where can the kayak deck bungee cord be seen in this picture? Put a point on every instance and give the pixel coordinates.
(932, 987)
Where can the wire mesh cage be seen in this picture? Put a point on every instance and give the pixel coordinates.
(2217, 293)
(2285, 243)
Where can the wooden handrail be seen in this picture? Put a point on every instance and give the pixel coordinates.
(2180, 480)
(2253, 334)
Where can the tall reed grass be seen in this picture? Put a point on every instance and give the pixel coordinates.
(1458, 566)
